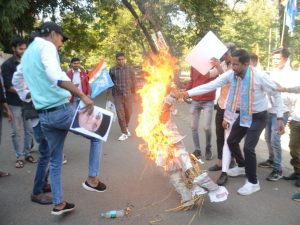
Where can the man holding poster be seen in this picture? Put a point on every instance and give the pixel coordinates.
(50, 90)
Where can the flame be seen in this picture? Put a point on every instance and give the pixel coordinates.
(160, 70)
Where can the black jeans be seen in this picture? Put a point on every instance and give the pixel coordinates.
(251, 135)
(219, 130)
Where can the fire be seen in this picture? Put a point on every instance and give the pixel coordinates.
(160, 70)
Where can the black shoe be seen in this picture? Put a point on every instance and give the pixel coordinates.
(215, 168)
(197, 154)
(266, 164)
(292, 176)
(99, 188)
(274, 176)
(222, 180)
(41, 199)
(68, 207)
(297, 182)
(47, 188)
(208, 155)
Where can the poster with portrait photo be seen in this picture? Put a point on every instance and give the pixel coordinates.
(95, 125)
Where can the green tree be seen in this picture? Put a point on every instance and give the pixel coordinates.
(112, 30)
(203, 16)
(250, 25)
(19, 17)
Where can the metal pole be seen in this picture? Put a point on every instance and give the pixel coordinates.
(270, 45)
(283, 25)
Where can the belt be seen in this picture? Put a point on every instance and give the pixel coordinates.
(238, 112)
(53, 108)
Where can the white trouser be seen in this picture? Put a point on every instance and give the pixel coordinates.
(226, 155)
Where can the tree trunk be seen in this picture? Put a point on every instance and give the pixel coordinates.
(144, 29)
(150, 16)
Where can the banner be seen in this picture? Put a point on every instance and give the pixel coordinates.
(99, 79)
(291, 13)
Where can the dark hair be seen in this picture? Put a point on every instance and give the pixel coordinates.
(120, 54)
(243, 55)
(284, 52)
(75, 59)
(18, 41)
(253, 57)
(230, 46)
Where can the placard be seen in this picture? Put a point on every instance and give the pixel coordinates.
(209, 47)
(95, 125)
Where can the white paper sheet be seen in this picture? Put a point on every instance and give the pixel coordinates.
(209, 47)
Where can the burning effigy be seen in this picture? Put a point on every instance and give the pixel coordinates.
(163, 142)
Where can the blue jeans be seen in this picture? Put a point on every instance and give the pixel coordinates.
(55, 126)
(17, 124)
(42, 170)
(208, 108)
(273, 139)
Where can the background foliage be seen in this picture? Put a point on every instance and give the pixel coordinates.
(99, 29)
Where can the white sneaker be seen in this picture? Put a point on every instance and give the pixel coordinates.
(65, 160)
(123, 137)
(128, 132)
(249, 188)
(236, 171)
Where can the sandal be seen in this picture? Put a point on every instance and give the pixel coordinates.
(4, 174)
(19, 163)
(30, 159)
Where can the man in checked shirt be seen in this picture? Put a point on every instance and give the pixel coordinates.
(123, 90)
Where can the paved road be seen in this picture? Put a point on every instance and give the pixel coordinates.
(134, 181)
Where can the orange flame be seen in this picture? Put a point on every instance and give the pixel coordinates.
(159, 71)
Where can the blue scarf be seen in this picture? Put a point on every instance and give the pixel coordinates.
(241, 90)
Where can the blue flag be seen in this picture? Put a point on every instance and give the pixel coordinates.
(101, 81)
(291, 13)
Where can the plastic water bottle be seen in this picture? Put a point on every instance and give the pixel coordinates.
(112, 214)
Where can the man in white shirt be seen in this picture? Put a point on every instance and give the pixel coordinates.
(79, 78)
(251, 124)
(294, 133)
(283, 75)
(224, 154)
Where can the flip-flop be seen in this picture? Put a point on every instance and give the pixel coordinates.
(19, 163)
(4, 174)
(30, 159)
